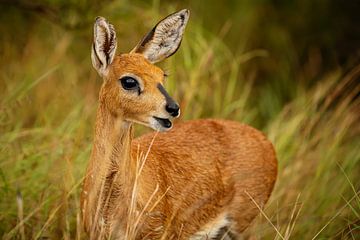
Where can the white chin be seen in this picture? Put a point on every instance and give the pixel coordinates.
(155, 124)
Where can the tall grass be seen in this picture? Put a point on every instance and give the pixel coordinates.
(48, 101)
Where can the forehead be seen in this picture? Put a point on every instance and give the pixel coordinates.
(136, 64)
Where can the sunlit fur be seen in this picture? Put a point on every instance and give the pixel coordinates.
(190, 182)
(130, 105)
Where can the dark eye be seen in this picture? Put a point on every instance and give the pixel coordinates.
(129, 83)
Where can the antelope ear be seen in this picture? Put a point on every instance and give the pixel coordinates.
(165, 38)
(104, 45)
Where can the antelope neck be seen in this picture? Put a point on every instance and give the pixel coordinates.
(112, 140)
(110, 163)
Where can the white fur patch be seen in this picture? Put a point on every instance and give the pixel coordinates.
(211, 229)
(104, 46)
(165, 38)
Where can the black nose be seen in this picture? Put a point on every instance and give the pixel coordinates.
(173, 109)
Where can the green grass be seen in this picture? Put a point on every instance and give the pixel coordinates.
(48, 100)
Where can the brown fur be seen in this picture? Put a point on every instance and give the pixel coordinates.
(193, 173)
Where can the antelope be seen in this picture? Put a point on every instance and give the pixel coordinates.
(201, 179)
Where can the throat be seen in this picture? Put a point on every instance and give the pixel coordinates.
(110, 168)
(112, 143)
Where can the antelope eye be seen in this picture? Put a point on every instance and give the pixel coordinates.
(129, 83)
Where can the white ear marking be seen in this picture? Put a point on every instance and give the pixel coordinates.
(165, 38)
(104, 45)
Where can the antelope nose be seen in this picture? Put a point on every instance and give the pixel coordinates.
(173, 109)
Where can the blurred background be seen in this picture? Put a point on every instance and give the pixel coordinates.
(289, 68)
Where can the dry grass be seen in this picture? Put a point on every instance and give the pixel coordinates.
(48, 101)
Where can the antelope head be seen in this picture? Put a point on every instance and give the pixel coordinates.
(133, 86)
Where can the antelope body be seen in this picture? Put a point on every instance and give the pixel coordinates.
(198, 180)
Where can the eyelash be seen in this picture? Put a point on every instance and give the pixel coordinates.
(166, 73)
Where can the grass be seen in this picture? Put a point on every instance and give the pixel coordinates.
(48, 100)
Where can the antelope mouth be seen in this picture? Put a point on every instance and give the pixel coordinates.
(164, 122)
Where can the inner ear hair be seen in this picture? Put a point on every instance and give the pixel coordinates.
(104, 45)
(165, 38)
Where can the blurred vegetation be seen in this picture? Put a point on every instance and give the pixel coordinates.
(290, 68)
